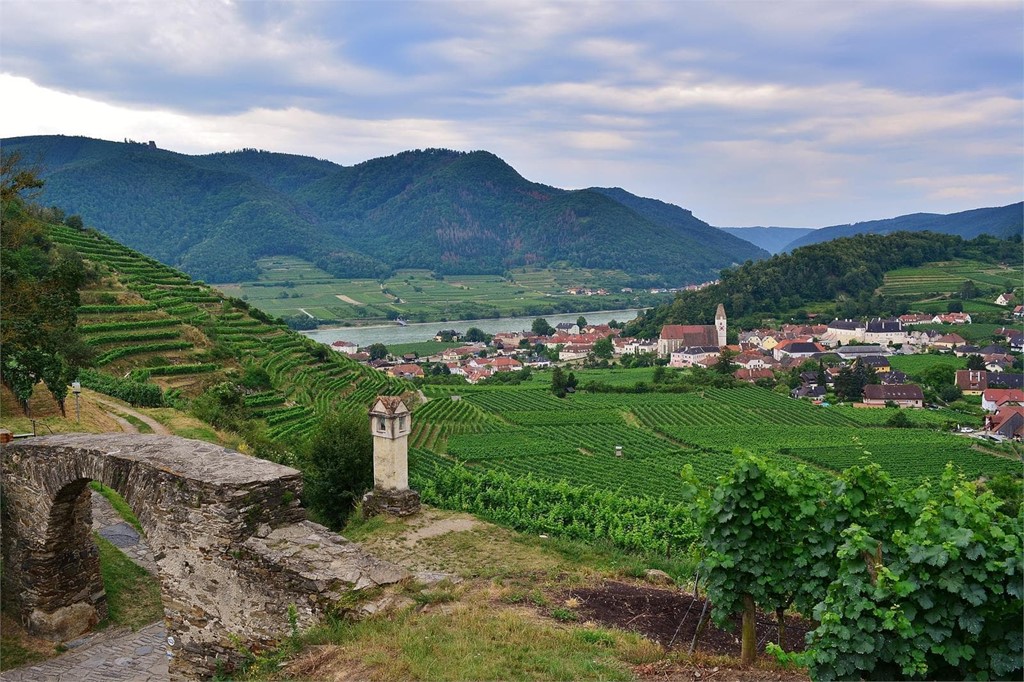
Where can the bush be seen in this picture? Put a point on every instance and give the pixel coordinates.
(338, 467)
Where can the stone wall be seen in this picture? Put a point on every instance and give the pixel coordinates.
(230, 539)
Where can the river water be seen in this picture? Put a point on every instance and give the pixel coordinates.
(425, 331)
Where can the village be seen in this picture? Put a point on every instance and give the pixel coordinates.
(846, 358)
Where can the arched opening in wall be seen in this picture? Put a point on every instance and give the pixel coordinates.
(85, 573)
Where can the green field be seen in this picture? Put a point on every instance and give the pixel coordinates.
(524, 430)
(291, 286)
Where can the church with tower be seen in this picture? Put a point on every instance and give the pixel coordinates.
(678, 336)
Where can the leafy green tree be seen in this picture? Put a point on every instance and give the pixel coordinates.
(603, 348)
(378, 351)
(558, 382)
(476, 335)
(975, 362)
(338, 467)
(968, 290)
(955, 307)
(581, 322)
(541, 327)
(725, 364)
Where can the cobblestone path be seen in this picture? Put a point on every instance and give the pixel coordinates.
(112, 655)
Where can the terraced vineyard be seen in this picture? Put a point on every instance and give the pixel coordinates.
(151, 322)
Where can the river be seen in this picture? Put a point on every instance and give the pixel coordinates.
(425, 331)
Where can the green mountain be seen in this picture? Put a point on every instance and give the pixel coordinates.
(451, 212)
(1003, 222)
(772, 239)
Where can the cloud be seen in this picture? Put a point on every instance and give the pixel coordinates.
(301, 131)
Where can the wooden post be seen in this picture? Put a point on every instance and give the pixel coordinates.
(748, 646)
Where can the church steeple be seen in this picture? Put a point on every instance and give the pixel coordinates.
(720, 324)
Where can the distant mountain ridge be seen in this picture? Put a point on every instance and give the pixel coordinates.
(1001, 221)
(772, 239)
(452, 212)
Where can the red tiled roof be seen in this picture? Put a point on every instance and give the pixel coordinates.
(691, 334)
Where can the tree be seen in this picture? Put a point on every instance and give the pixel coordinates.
(968, 290)
(975, 362)
(74, 222)
(476, 335)
(541, 327)
(725, 364)
(558, 385)
(955, 307)
(338, 467)
(581, 322)
(604, 348)
(378, 351)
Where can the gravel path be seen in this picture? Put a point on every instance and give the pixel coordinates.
(115, 654)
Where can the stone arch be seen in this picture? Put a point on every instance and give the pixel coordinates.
(228, 534)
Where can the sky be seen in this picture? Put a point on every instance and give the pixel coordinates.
(767, 112)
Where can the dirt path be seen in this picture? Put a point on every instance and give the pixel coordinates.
(157, 427)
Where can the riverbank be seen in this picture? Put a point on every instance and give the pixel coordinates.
(424, 331)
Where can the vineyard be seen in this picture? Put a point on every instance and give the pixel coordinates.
(153, 328)
(525, 430)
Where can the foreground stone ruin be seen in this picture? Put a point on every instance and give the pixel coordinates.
(234, 550)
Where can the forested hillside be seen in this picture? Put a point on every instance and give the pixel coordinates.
(843, 272)
(451, 212)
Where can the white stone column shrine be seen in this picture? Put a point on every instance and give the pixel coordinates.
(390, 424)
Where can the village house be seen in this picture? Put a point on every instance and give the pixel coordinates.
(893, 377)
(346, 347)
(965, 350)
(755, 360)
(1018, 311)
(405, 371)
(949, 341)
(676, 336)
(797, 349)
(461, 352)
(876, 363)
(843, 332)
(570, 328)
(508, 339)
(1014, 337)
(994, 398)
(638, 346)
(972, 381)
(952, 318)
(916, 318)
(1008, 422)
(886, 332)
(752, 375)
(574, 351)
(905, 395)
(1005, 298)
(691, 355)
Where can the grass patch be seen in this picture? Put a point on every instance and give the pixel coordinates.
(142, 426)
(118, 503)
(18, 648)
(481, 643)
(133, 595)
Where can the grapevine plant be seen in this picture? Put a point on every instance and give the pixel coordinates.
(923, 583)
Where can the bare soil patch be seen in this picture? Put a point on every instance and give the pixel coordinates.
(671, 617)
(347, 299)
